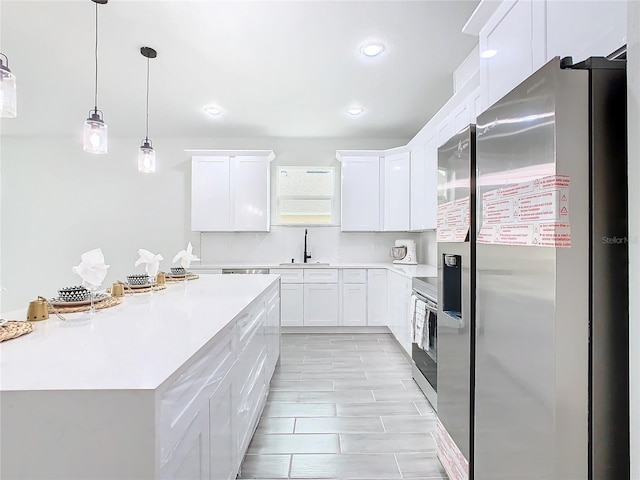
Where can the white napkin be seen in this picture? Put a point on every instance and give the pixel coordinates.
(151, 260)
(186, 257)
(92, 269)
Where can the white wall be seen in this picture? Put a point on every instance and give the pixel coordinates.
(633, 112)
(58, 201)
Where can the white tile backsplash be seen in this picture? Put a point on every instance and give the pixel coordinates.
(326, 244)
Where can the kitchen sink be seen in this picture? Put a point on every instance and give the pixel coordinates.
(302, 264)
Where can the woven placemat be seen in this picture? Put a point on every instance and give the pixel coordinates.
(13, 329)
(190, 276)
(156, 288)
(106, 303)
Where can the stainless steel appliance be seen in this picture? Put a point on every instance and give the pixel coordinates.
(551, 389)
(456, 301)
(424, 351)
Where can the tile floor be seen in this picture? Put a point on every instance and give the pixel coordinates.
(343, 406)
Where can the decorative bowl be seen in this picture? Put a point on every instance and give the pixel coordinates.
(138, 279)
(178, 271)
(73, 294)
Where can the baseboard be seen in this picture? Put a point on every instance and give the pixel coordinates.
(335, 330)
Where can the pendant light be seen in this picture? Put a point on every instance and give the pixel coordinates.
(95, 130)
(146, 155)
(8, 106)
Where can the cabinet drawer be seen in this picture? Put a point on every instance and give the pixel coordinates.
(354, 275)
(288, 275)
(321, 275)
(249, 324)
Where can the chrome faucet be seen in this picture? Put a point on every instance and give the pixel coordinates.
(306, 255)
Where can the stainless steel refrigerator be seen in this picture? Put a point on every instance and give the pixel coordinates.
(551, 388)
(456, 302)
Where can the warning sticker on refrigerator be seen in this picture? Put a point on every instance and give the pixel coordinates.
(453, 220)
(534, 213)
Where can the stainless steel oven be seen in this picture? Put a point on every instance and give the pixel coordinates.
(424, 350)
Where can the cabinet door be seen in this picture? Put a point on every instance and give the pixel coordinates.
(404, 316)
(320, 304)
(510, 33)
(446, 129)
(597, 28)
(397, 192)
(273, 333)
(431, 183)
(360, 208)
(210, 194)
(250, 192)
(461, 116)
(191, 460)
(418, 193)
(222, 434)
(354, 304)
(377, 308)
(291, 301)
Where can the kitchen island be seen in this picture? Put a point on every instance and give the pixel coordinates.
(167, 385)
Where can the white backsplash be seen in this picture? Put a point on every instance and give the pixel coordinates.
(326, 244)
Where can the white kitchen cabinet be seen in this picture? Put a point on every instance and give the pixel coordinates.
(360, 194)
(399, 309)
(230, 191)
(462, 116)
(191, 458)
(320, 275)
(250, 180)
(210, 202)
(222, 432)
(397, 187)
(476, 104)
(272, 331)
(517, 37)
(446, 129)
(377, 308)
(584, 29)
(354, 304)
(292, 304)
(418, 183)
(320, 304)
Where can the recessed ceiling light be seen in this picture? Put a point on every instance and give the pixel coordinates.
(488, 53)
(372, 49)
(355, 111)
(213, 111)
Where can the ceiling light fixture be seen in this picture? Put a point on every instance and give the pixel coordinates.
(372, 49)
(147, 155)
(213, 111)
(95, 130)
(8, 104)
(355, 111)
(490, 53)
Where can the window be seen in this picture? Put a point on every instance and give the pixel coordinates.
(306, 195)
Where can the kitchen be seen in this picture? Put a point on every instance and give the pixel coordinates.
(47, 224)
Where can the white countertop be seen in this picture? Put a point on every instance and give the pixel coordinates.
(408, 271)
(136, 345)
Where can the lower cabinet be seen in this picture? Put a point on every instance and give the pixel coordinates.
(354, 304)
(292, 295)
(399, 309)
(377, 307)
(222, 432)
(320, 304)
(192, 457)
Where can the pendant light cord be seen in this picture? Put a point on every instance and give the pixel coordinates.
(147, 122)
(95, 95)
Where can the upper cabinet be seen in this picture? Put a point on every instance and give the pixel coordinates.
(523, 35)
(230, 191)
(397, 187)
(361, 201)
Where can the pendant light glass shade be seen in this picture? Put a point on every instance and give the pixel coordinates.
(146, 158)
(94, 137)
(8, 102)
(95, 134)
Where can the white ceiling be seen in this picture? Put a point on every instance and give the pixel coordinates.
(278, 69)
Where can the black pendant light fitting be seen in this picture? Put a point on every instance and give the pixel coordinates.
(95, 130)
(146, 155)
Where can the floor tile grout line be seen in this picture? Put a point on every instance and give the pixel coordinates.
(395, 457)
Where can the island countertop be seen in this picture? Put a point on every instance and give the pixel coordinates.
(136, 345)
